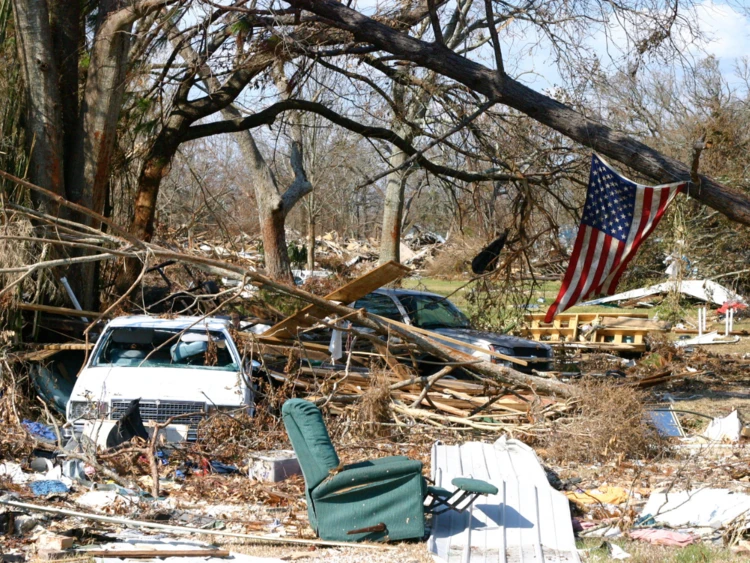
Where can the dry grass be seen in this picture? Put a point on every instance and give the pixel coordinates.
(373, 408)
(454, 258)
(610, 424)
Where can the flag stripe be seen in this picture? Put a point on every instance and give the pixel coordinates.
(573, 273)
(551, 312)
(575, 289)
(595, 249)
(606, 244)
(645, 199)
(607, 249)
(666, 198)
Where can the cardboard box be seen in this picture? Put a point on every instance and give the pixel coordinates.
(273, 466)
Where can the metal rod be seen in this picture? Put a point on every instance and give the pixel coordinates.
(72, 296)
(183, 529)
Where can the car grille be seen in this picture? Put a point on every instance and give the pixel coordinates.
(161, 411)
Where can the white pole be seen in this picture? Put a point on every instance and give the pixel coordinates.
(726, 322)
(700, 322)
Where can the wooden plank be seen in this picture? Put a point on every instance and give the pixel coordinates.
(149, 553)
(64, 311)
(631, 323)
(585, 317)
(355, 289)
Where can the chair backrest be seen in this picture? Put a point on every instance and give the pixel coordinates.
(310, 440)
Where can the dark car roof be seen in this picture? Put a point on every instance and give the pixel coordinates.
(398, 292)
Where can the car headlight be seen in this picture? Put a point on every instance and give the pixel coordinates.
(88, 410)
(500, 350)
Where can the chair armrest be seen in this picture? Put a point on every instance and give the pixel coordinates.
(376, 461)
(475, 486)
(361, 476)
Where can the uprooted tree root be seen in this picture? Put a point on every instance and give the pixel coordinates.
(610, 423)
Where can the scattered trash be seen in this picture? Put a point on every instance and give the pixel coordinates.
(273, 466)
(728, 428)
(712, 508)
(666, 422)
(706, 339)
(13, 471)
(661, 536)
(47, 488)
(129, 426)
(601, 495)
(616, 552)
(40, 430)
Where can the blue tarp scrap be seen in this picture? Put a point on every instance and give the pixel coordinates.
(45, 488)
(40, 430)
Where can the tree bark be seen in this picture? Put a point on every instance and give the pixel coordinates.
(44, 124)
(393, 209)
(66, 21)
(102, 99)
(311, 235)
(274, 246)
(571, 123)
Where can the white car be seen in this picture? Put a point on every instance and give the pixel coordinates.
(174, 366)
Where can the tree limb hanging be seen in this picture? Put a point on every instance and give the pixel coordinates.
(571, 123)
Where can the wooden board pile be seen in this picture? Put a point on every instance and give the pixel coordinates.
(603, 331)
(388, 369)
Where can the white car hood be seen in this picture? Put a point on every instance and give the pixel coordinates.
(183, 384)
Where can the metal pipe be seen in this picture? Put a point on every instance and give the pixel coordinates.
(72, 296)
(183, 529)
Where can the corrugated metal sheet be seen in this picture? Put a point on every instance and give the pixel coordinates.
(526, 521)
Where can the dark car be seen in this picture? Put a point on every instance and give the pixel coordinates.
(437, 314)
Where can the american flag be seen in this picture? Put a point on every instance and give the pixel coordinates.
(617, 218)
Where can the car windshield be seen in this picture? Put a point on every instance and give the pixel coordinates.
(429, 311)
(157, 347)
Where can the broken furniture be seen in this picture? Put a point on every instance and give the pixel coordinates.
(616, 331)
(380, 499)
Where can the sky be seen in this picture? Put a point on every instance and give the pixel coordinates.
(724, 27)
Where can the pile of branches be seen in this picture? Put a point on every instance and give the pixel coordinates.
(492, 397)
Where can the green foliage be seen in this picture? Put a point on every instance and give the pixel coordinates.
(285, 304)
(240, 26)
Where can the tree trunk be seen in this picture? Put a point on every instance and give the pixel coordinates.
(393, 209)
(571, 123)
(274, 246)
(44, 125)
(271, 209)
(66, 23)
(155, 167)
(310, 237)
(102, 99)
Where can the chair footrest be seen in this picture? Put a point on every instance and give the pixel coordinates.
(476, 486)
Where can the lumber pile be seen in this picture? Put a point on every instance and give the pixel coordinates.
(456, 394)
(604, 331)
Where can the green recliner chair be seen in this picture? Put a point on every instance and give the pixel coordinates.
(381, 499)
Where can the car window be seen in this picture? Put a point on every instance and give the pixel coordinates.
(428, 311)
(379, 305)
(151, 347)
